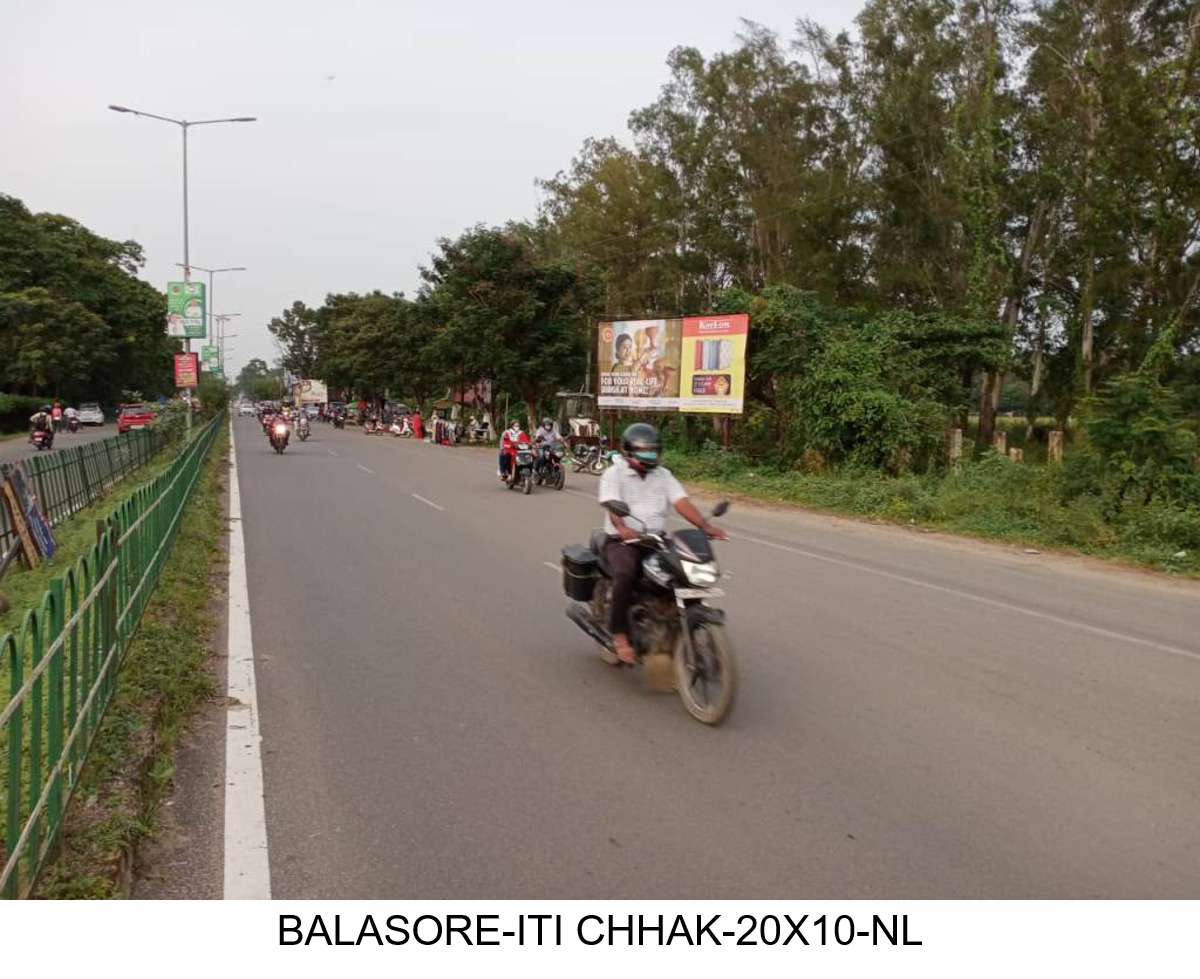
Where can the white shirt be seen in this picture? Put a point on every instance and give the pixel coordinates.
(649, 498)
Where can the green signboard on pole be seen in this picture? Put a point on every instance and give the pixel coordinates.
(185, 310)
(210, 353)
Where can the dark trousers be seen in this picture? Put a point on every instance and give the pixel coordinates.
(625, 565)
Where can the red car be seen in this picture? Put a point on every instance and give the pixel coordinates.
(134, 416)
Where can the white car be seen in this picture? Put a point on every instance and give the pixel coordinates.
(90, 414)
(246, 408)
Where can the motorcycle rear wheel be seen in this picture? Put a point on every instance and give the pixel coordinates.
(708, 666)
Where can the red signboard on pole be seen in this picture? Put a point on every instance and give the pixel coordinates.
(187, 370)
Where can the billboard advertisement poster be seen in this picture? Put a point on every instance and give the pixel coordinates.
(187, 370)
(640, 364)
(308, 392)
(210, 353)
(690, 364)
(714, 363)
(185, 310)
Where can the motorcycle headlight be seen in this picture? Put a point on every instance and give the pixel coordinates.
(701, 575)
(280, 429)
(653, 569)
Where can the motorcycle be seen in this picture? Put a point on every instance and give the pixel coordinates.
(550, 471)
(520, 471)
(279, 436)
(41, 439)
(401, 428)
(671, 614)
(593, 458)
(302, 429)
(339, 420)
(73, 424)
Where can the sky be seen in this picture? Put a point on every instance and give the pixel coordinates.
(383, 125)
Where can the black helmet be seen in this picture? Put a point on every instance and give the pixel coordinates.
(641, 446)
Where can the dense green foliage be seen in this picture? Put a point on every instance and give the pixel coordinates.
(76, 323)
(962, 207)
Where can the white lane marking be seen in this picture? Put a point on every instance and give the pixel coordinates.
(418, 496)
(247, 862)
(365, 469)
(982, 600)
(331, 452)
(551, 565)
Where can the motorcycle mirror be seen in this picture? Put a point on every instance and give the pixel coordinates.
(618, 508)
(721, 509)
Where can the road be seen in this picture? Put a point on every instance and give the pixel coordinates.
(16, 449)
(919, 716)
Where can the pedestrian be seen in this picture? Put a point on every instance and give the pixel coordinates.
(418, 428)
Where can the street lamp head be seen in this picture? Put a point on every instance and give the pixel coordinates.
(244, 119)
(119, 108)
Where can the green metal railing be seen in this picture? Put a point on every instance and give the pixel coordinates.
(62, 664)
(67, 480)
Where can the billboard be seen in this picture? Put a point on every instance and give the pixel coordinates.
(210, 353)
(310, 392)
(690, 363)
(185, 310)
(187, 370)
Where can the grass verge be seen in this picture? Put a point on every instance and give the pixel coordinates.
(992, 498)
(74, 538)
(161, 681)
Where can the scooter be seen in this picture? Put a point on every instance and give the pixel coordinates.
(73, 424)
(520, 472)
(41, 439)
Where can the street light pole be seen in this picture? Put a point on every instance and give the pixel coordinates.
(184, 125)
(211, 288)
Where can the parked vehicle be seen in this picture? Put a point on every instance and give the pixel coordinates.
(594, 458)
(90, 414)
(671, 614)
(133, 417)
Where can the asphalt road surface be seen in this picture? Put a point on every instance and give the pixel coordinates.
(919, 716)
(15, 449)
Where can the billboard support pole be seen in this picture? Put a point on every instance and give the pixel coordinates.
(612, 429)
(726, 432)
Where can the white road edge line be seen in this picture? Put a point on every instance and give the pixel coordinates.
(331, 452)
(365, 469)
(247, 863)
(418, 496)
(982, 600)
(551, 565)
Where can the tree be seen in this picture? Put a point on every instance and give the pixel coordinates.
(298, 331)
(258, 382)
(503, 315)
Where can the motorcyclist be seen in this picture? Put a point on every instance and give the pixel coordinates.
(545, 439)
(42, 420)
(649, 490)
(512, 439)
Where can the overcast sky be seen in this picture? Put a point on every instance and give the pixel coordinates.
(383, 124)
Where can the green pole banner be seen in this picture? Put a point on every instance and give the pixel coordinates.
(185, 310)
(209, 353)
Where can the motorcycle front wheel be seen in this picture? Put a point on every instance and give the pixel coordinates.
(561, 480)
(704, 676)
(597, 466)
(528, 486)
